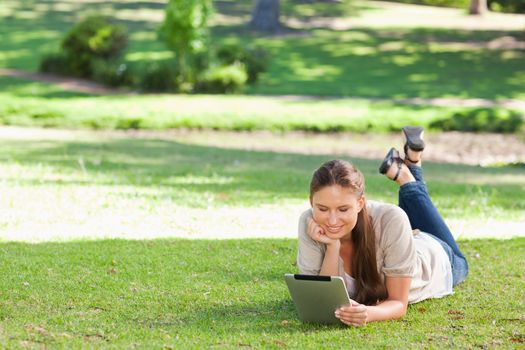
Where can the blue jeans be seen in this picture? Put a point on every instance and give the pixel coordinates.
(423, 215)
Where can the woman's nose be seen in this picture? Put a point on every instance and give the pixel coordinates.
(332, 219)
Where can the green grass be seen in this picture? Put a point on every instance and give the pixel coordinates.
(391, 63)
(35, 104)
(362, 62)
(230, 294)
(155, 178)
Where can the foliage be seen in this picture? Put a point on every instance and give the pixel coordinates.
(482, 120)
(114, 73)
(445, 3)
(160, 77)
(55, 63)
(255, 59)
(510, 6)
(185, 31)
(93, 38)
(223, 79)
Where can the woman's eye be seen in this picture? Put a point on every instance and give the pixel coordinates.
(344, 210)
(323, 210)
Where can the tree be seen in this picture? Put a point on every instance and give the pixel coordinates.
(265, 16)
(185, 31)
(478, 7)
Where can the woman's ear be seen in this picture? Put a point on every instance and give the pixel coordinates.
(361, 203)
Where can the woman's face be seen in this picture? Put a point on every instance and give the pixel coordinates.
(335, 209)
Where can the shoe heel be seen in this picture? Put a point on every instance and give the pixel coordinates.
(414, 138)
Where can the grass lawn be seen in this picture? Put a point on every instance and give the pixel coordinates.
(361, 61)
(177, 293)
(29, 103)
(149, 185)
(230, 294)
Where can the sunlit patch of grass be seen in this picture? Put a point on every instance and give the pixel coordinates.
(106, 185)
(191, 294)
(404, 60)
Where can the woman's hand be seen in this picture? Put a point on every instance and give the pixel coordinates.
(353, 315)
(316, 232)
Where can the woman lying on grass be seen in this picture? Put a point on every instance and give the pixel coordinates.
(389, 256)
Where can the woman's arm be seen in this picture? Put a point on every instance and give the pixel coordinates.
(396, 305)
(330, 265)
(390, 309)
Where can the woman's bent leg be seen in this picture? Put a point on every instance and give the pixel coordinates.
(423, 215)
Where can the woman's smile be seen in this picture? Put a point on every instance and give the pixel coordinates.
(335, 209)
(334, 229)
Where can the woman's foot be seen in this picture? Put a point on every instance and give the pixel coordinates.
(412, 157)
(414, 144)
(394, 168)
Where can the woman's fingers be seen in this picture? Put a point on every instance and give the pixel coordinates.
(352, 323)
(355, 315)
(314, 231)
(355, 309)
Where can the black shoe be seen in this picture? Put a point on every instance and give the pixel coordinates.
(414, 140)
(391, 157)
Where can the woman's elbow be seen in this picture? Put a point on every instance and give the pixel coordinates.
(403, 310)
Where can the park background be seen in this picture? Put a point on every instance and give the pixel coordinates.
(136, 213)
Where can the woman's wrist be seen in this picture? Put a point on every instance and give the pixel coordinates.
(334, 245)
(331, 260)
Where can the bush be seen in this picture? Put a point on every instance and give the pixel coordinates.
(113, 73)
(160, 77)
(185, 31)
(254, 59)
(56, 63)
(129, 123)
(93, 38)
(482, 120)
(445, 3)
(223, 79)
(510, 6)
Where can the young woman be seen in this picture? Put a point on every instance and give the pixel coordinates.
(389, 256)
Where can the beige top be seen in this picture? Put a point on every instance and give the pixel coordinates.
(399, 253)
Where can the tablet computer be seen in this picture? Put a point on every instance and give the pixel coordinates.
(317, 297)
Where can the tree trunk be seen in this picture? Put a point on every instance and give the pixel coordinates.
(478, 7)
(265, 16)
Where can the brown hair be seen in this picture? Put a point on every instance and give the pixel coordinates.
(370, 289)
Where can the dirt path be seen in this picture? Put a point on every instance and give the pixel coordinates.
(444, 147)
(66, 83)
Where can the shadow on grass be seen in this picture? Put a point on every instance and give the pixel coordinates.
(236, 176)
(380, 63)
(23, 87)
